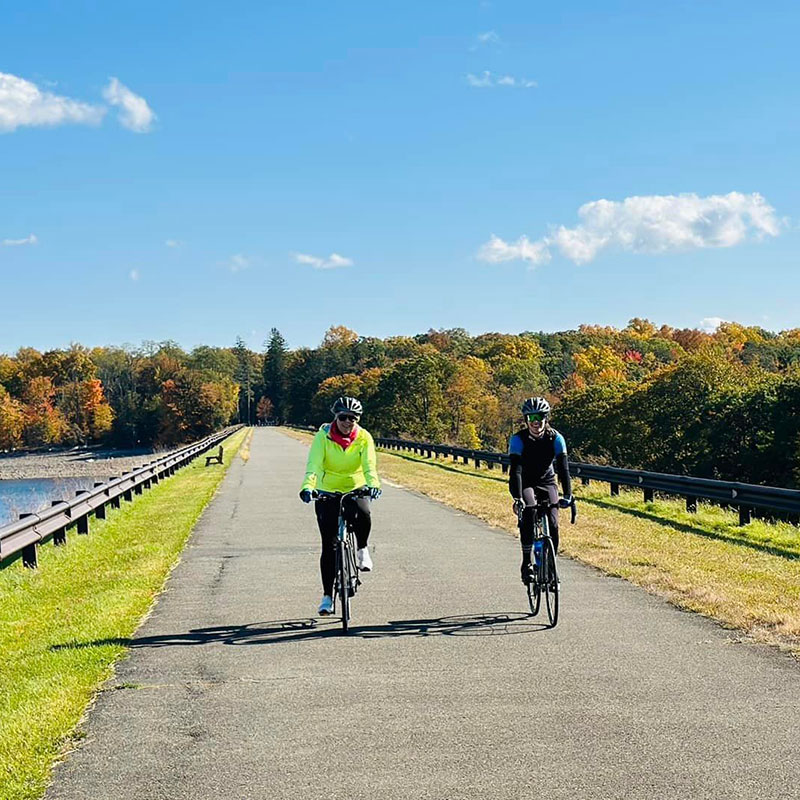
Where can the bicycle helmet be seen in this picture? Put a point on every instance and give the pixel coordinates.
(344, 405)
(534, 405)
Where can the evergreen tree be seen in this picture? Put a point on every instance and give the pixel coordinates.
(275, 371)
(244, 377)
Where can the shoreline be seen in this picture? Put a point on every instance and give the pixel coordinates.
(76, 463)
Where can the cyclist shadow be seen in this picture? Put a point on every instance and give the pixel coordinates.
(297, 630)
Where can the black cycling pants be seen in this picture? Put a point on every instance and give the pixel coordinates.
(533, 494)
(356, 511)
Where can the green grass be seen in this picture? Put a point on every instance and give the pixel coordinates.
(747, 578)
(98, 587)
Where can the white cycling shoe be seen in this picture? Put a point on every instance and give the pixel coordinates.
(363, 559)
(326, 605)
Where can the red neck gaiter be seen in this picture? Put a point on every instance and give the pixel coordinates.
(344, 441)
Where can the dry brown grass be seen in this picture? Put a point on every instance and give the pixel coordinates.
(745, 578)
(244, 450)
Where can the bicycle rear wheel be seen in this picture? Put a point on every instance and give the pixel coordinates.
(550, 572)
(534, 594)
(534, 588)
(355, 581)
(343, 579)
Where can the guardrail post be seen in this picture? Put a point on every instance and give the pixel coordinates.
(114, 500)
(59, 536)
(585, 481)
(504, 467)
(83, 522)
(477, 463)
(466, 459)
(649, 495)
(100, 511)
(490, 464)
(614, 489)
(691, 504)
(128, 493)
(745, 515)
(138, 489)
(29, 557)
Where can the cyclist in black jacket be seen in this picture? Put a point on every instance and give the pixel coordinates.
(534, 449)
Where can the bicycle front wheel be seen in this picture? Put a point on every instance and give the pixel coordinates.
(550, 571)
(343, 575)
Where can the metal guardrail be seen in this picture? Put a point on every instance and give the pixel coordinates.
(24, 535)
(744, 496)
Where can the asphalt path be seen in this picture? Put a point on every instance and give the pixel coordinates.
(444, 688)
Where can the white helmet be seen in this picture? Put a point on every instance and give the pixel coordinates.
(343, 405)
(536, 405)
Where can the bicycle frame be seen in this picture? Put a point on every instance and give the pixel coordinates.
(346, 578)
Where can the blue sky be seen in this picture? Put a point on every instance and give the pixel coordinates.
(321, 163)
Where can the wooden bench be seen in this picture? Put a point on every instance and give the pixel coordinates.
(216, 459)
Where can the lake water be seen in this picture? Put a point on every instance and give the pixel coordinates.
(22, 496)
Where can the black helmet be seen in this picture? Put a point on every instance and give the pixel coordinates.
(344, 405)
(534, 405)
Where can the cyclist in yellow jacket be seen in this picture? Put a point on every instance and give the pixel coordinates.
(342, 458)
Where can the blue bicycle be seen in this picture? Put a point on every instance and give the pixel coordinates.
(544, 577)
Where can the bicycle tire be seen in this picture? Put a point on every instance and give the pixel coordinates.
(550, 572)
(534, 588)
(351, 553)
(344, 585)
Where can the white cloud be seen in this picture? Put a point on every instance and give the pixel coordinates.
(134, 274)
(173, 243)
(134, 113)
(23, 103)
(16, 242)
(480, 81)
(710, 324)
(487, 80)
(237, 263)
(653, 224)
(331, 262)
(496, 250)
(486, 39)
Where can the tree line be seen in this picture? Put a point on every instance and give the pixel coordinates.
(723, 404)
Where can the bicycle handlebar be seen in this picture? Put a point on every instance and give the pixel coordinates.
(544, 506)
(320, 494)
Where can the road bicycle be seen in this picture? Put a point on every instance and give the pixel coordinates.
(346, 580)
(544, 576)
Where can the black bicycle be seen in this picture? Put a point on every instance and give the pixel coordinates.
(544, 576)
(346, 580)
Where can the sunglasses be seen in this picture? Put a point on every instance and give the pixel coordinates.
(347, 417)
(536, 417)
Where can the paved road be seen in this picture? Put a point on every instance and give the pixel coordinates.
(445, 689)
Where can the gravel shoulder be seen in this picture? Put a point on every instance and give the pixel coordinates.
(75, 463)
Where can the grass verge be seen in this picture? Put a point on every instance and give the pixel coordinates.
(747, 578)
(97, 587)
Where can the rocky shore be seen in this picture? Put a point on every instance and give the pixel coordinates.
(75, 463)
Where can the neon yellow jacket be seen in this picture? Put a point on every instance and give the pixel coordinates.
(333, 469)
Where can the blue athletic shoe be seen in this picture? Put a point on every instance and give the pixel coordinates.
(326, 605)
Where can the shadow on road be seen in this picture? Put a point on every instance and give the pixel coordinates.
(295, 630)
